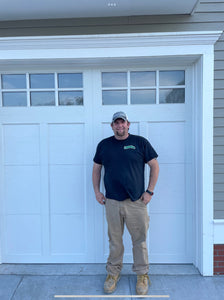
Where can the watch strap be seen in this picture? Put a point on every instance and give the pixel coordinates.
(149, 192)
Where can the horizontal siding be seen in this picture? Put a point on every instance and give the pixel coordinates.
(219, 169)
(218, 103)
(219, 93)
(219, 187)
(218, 150)
(219, 65)
(218, 140)
(219, 112)
(219, 214)
(219, 205)
(218, 178)
(208, 15)
(218, 202)
(219, 196)
(107, 29)
(220, 46)
(219, 83)
(219, 129)
(219, 55)
(97, 23)
(218, 159)
(219, 74)
(211, 6)
(210, 1)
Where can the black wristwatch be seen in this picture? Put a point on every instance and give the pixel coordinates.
(149, 192)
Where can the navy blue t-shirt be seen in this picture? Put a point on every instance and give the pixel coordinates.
(124, 163)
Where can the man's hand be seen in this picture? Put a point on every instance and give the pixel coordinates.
(146, 198)
(100, 198)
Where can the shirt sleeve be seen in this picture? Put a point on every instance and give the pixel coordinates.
(97, 157)
(149, 152)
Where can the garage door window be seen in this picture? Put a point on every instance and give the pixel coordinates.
(143, 87)
(51, 89)
(172, 87)
(15, 83)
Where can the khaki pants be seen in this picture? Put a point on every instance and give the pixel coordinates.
(135, 216)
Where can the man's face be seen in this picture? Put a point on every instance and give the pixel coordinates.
(120, 128)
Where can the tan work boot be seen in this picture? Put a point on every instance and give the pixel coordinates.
(142, 284)
(110, 283)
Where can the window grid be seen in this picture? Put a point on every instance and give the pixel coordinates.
(1, 102)
(129, 88)
(40, 90)
(56, 88)
(157, 86)
(28, 90)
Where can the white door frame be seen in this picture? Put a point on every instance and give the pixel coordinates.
(195, 48)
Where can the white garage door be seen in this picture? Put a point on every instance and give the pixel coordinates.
(51, 124)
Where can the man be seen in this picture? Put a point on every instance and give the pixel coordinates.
(124, 157)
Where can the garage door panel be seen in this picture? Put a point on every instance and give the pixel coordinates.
(161, 230)
(66, 143)
(25, 198)
(167, 233)
(68, 234)
(106, 130)
(169, 196)
(169, 139)
(25, 139)
(67, 189)
(23, 234)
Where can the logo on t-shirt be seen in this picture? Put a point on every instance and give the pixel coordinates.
(129, 147)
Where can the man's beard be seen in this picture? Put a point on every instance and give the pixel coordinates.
(121, 133)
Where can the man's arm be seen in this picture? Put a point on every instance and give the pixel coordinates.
(96, 176)
(154, 173)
